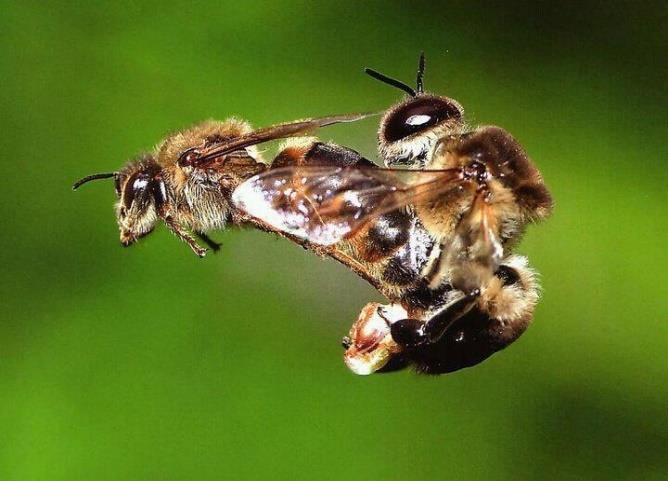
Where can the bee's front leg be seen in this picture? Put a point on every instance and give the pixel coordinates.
(166, 211)
(183, 234)
(411, 333)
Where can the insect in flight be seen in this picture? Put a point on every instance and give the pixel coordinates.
(187, 180)
(433, 230)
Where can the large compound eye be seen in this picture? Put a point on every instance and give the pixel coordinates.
(419, 115)
(134, 188)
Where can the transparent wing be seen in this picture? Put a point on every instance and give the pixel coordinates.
(479, 232)
(279, 131)
(474, 252)
(325, 204)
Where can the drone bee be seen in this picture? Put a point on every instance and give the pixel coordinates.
(433, 230)
(187, 180)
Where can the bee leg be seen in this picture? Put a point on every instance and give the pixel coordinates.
(213, 245)
(183, 234)
(413, 332)
(408, 333)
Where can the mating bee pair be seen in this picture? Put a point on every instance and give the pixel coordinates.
(433, 230)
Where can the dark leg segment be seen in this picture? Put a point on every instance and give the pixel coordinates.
(412, 332)
(213, 245)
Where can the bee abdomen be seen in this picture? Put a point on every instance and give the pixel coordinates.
(410, 253)
(384, 236)
(311, 152)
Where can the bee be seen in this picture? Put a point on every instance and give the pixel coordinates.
(187, 181)
(433, 230)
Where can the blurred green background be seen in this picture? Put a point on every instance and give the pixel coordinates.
(148, 363)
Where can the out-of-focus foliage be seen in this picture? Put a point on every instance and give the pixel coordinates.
(148, 363)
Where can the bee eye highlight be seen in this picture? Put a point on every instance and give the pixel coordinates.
(418, 119)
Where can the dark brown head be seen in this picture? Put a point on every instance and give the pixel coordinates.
(140, 192)
(409, 130)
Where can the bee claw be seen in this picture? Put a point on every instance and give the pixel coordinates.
(199, 251)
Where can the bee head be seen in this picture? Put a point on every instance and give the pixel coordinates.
(140, 192)
(409, 130)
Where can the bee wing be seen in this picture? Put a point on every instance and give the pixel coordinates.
(477, 232)
(475, 251)
(325, 204)
(279, 131)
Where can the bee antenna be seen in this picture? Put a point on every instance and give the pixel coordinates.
(88, 178)
(390, 81)
(419, 83)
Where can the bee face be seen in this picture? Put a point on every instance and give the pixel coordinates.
(409, 131)
(137, 187)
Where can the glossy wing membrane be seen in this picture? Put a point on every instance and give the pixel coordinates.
(475, 250)
(325, 204)
(279, 131)
(481, 234)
